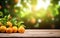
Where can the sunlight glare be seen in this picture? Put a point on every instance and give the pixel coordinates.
(42, 4)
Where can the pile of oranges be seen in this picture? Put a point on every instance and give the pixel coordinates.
(11, 29)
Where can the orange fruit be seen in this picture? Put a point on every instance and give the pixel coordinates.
(16, 1)
(9, 23)
(33, 20)
(0, 28)
(14, 29)
(0, 6)
(21, 29)
(9, 30)
(3, 28)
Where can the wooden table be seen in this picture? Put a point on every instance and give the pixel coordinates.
(34, 33)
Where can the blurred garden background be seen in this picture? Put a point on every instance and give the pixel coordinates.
(33, 14)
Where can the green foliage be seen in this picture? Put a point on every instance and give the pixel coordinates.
(23, 12)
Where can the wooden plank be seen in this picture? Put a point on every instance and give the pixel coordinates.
(34, 33)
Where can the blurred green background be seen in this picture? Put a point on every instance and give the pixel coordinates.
(36, 14)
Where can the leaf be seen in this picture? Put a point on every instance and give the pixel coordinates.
(19, 23)
(1, 13)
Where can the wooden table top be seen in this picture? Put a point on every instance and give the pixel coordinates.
(34, 33)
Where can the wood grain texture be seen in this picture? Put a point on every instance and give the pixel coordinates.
(34, 33)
